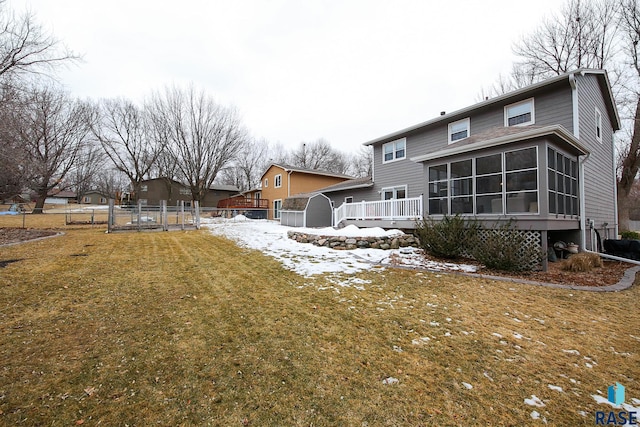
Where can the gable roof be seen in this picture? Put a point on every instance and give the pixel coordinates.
(290, 168)
(351, 184)
(601, 75)
(504, 135)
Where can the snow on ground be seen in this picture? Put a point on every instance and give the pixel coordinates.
(306, 259)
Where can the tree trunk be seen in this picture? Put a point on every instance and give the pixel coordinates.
(623, 209)
(39, 208)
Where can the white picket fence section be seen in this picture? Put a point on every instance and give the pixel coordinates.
(395, 209)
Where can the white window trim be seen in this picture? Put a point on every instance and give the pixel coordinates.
(266, 182)
(277, 184)
(395, 159)
(598, 120)
(467, 121)
(346, 199)
(394, 188)
(533, 112)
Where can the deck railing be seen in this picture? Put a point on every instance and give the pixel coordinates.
(395, 209)
(243, 203)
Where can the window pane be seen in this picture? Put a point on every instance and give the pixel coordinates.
(521, 159)
(518, 181)
(567, 166)
(489, 184)
(400, 193)
(551, 176)
(400, 146)
(461, 205)
(489, 204)
(574, 205)
(489, 164)
(561, 204)
(551, 158)
(459, 135)
(388, 195)
(522, 202)
(438, 206)
(461, 187)
(437, 173)
(520, 113)
(438, 189)
(574, 169)
(567, 185)
(560, 182)
(461, 169)
(574, 187)
(559, 162)
(552, 202)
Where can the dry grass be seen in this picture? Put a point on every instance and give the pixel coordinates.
(184, 328)
(584, 261)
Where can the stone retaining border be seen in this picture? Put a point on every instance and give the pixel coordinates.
(348, 243)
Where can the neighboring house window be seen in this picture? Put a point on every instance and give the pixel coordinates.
(277, 206)
(103, 200)
(394, 150)
(143, 188)
(598, 125)
(562, 174)
(266, 182)
(143, 202)
(277, 181)
(348, 199)
(499, 183)
(185, 191)
(86, 199)
(519, 114)
(394, 193)
(458, 130)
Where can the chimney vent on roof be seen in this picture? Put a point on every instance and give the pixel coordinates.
(442, 113)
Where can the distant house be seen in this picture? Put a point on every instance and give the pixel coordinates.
(280, 181)
(60, 197)
(94, 198)
(543, 155)
(153, 191)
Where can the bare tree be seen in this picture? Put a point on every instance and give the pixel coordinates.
(26, 47)
(203, 136)
(320, 155)
(50, 128)
(87, 169)
(124, 131)
(361, 162)
(246, 170)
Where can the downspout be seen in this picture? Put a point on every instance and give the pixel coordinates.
(615, 258)
(289, 183)
(576, 132)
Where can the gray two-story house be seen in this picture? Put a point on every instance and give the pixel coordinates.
(542, 155)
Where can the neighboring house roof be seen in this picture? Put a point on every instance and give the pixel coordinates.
(501, 135)
(291, 168)
(62, 194)
(602, 76)
(351, 184)
(217, 187)
(232, 188)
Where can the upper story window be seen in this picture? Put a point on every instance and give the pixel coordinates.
(277, 181)
(185, 191)
(394, 150)
(143, 188)
(598, 125)
(266, 182)
(519, 114)
(458, 130)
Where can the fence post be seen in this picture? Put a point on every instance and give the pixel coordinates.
(111, 216)
(197, 207)
(165, 222)
(139, 214)
(182, 214)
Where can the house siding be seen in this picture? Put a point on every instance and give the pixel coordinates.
(552, 105)
(599, 172)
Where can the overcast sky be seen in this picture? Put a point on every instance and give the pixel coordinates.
(297, 70)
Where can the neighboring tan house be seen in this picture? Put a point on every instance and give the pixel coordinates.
(153, 191)
(94, 198)
(280, 181)
(543, 155)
